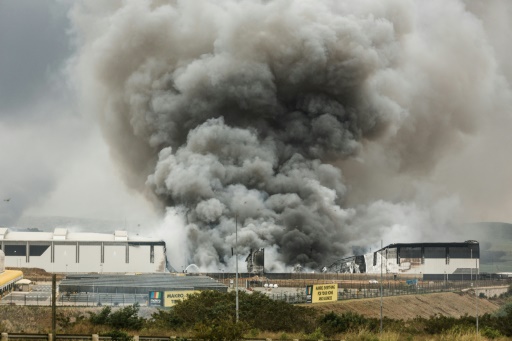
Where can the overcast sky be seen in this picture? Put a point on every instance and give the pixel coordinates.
(53, 161)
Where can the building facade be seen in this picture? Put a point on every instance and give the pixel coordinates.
(63, 251)
(426, 260)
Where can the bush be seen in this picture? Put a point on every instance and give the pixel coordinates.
(117, 335)
(256, 310)
(490, 333)
(220, 330)
(316, 335)
(438, 324)
(284, 336)
(165, 319)
(332, 323)
(101, 318)
(125, 318)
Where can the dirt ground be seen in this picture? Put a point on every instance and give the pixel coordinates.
(410, 306)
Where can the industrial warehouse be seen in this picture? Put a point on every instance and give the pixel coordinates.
(431, 261)
(64, 251)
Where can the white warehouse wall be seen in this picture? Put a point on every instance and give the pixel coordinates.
(87, 258)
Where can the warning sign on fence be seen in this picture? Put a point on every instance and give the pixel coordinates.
(323, 293)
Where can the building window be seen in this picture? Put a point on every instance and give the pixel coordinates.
(410, 252)
(152, 254)
(462, 252)
(37, 250)
(15, 250)
(435, 252)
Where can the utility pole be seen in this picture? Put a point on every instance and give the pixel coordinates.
(54, 305)
(476, 286)
(381, 259)
(236, 263)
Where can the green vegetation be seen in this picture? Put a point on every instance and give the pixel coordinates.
(210, 315)
(125, 318)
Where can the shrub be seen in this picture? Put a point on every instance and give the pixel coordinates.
(220, 330)
(438, 324)
(490, 333)
(125, 318)
(254, 332)
(316, 335)
(332, 323)
(284, 336)
(257, 310)
(165, 319)
(101, 318)
(117, 335)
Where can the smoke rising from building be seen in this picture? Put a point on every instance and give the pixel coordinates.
(247, 112)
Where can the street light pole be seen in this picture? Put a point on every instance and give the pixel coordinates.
(476, 286)
(236, 263)
(381, 286)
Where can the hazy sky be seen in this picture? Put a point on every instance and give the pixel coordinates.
(53, 161)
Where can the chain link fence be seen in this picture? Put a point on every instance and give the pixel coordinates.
(291, 291)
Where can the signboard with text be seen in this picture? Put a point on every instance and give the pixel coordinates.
(173, 297)
(324, 293)
(155, 298)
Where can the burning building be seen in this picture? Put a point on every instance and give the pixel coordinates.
(256, 262)
(427, 260)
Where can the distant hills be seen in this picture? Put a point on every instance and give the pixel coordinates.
(495, 245)
(49, 223)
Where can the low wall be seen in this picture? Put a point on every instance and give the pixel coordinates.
(492, 291)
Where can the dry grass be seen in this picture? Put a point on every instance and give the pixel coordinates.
(411, 306)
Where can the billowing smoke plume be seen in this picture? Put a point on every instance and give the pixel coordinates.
(246, 112)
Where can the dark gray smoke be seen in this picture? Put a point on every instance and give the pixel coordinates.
(246, 111)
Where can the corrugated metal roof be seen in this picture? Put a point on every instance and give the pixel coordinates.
(140, 283)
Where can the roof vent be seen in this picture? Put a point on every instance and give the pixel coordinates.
(60, 233)
(3, 232)
(121, 235)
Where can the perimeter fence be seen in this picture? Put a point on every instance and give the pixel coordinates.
(347, 290)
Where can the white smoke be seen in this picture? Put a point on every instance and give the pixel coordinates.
(245, 113)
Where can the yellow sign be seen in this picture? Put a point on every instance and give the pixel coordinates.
(325, 293)
(173, 297)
